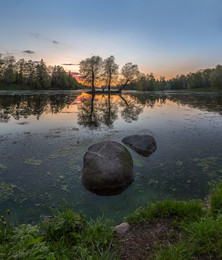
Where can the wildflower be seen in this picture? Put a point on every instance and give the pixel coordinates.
(2, 217)
(9, 211)
(4, 223)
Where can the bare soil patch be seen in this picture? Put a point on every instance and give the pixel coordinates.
(138, 242)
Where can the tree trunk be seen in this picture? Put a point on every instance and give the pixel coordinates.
(109, 86)
(93, 87)
(109, 83)
(123, 86)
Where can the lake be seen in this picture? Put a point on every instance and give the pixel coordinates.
(45, 134)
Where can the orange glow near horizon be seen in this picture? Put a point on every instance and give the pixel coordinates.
(162, 70)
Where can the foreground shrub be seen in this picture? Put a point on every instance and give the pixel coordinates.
(62, 225)
(23, 242)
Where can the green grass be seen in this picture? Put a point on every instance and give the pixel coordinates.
(172, 210)
(216, 201)
(68, 235)
(198, 239)
(65, 235)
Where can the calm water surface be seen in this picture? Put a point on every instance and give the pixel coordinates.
(44, 135)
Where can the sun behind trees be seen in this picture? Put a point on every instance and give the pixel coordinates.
(94, 70)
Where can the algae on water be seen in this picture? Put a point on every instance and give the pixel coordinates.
(3, 167)
(6, 191)
(33, 162)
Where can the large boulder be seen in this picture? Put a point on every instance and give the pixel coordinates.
(108, 168)
(142, 144)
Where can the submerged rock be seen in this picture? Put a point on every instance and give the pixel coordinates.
(108, 168)
(142, 144)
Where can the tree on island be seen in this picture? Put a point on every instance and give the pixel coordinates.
(90, 70)
(130, 72)
(110, 71)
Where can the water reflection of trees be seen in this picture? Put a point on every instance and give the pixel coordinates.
(97, 110)
(103, 110)
(24, 106)
(132, 107)
(210, 103)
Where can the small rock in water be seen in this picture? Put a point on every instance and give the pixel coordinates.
(142, 144)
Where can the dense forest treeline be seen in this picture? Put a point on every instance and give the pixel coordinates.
(34, 75)
(206, 78)
(95, 71)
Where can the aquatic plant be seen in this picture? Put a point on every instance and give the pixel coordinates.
(33, 162)
(6, 191)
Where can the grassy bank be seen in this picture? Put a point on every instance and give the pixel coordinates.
(173, 230)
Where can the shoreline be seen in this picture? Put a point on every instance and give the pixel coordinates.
(167, 229)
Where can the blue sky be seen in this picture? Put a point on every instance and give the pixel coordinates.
(166, 37)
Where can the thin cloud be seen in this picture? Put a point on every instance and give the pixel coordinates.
(35, 35)
(55, 42)
(28, 52)
(9, 53)
(70, 64)
(39, 36)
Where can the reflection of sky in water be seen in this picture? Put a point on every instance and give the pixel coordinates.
(40, 163)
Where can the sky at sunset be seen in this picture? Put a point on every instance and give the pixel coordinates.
(166, 37)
